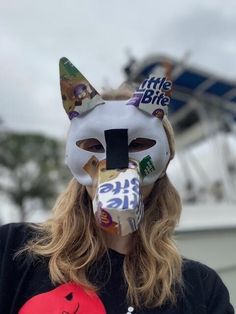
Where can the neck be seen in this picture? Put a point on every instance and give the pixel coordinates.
(121, 244)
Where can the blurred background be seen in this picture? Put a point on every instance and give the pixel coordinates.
(110, 42)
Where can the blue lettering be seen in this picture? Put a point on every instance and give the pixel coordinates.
(107, 187)
(143, 84)
(117, 189)
(162, 82)
(126, 202)
(167, 86)
(118, 202)
(134, 203)
(147, 97)
(154, 81)
(159, 98)
(135, 183)
(165, 101)
(114, 202)
(152, 97)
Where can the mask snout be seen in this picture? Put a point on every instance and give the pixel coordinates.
(118, 204)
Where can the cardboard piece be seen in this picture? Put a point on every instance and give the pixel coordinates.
(78, 95)
(152, 96)
(118, 205)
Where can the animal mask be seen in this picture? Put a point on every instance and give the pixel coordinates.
(115, 131)
(115, 146)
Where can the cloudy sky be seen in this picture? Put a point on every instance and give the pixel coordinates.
(96, 36)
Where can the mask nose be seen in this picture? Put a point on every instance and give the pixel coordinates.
(117, 149)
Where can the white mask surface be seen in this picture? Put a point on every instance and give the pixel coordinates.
(118, 115)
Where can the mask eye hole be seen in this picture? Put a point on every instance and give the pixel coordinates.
(91, 145)
(140, 143)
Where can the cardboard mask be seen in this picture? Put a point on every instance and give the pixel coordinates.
(91, 117)
(116, 146)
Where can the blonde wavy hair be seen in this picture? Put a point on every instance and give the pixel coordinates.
(73, 242)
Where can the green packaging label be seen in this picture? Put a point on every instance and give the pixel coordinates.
(146, 166)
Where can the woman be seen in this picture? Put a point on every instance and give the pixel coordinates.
(109, 247)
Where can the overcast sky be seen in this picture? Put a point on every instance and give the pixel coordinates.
(95, 36)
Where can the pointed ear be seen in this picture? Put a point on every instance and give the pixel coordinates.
(152, 96)
(78, 95)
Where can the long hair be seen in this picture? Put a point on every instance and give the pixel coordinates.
(72, 241)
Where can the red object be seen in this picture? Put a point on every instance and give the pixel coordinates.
(68, 298)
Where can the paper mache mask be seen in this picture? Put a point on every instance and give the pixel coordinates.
(115, 131)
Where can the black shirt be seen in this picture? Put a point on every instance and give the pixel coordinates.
(25, 286)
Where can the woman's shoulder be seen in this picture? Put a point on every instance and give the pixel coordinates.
(194, 267)
(16, 228)
(15, 235)
(193, 270)
(204, 285)
(197, 273)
